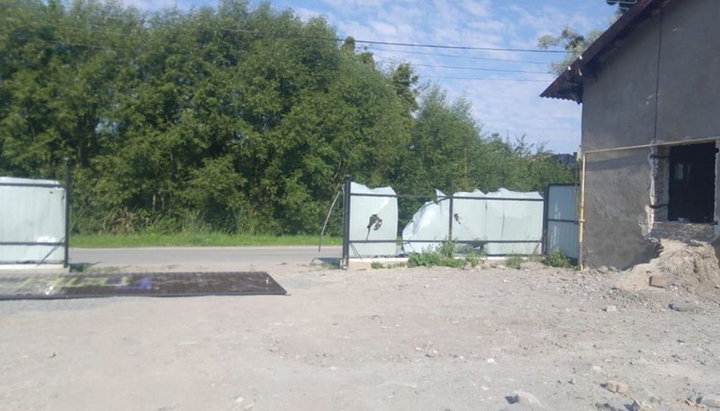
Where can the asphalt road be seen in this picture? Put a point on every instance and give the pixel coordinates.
(206, 257)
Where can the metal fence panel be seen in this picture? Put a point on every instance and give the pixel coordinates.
(32, 221)
(514, 223)
(429, 226)
(373, 221)
(562, 220)
(502, 222)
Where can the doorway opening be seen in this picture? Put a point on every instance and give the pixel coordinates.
(691, 183)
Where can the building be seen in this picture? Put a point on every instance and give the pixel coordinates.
(650, 90)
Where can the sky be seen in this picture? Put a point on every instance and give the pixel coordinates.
(502, 86)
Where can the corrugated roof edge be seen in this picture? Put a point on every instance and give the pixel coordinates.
(568, 85)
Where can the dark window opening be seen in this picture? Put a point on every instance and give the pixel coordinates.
(691, 185)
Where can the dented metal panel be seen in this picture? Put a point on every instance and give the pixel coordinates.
(498, 223)
(373, 221)
(428, 227)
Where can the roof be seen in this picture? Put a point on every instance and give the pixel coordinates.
(569, 84)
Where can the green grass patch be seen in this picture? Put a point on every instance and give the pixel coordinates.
(206, 239)
(376, 265)
(558, 259)
(444, 256)
(514, 261)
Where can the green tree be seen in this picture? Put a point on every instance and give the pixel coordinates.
(574, 43)
(234, 119)
(405, 82)
(445, 140)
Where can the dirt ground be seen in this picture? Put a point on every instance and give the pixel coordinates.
(389, 339)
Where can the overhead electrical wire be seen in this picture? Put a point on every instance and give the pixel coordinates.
(478, 68)
(449, 67)
(420, 53)
(374, 42)
(442, 46)
(514, 80)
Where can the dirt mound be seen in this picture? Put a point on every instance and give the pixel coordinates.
(690, 266)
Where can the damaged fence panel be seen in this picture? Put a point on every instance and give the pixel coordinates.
(373, 221)
(428, 227)
(498, 223)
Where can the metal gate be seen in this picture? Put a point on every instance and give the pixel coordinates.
(561, 220)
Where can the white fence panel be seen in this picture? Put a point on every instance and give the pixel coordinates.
(32, 221)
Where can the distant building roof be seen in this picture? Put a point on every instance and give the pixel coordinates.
(569, 85)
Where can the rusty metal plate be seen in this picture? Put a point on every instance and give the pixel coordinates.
(89, 285)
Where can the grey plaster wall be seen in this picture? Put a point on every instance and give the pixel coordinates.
(661, 84)
(619, 97)
(617, 188)
(689, 83)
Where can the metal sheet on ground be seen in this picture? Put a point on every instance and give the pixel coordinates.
(84, 285)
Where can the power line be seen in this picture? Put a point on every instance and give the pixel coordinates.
(391, 43)
(469, 68)
(456, 56)
(451, 67)
(375, 42)
(95, 46)
(480, 69)
(441, 46)
(487, 79)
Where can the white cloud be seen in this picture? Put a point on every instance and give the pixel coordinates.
(476, 8)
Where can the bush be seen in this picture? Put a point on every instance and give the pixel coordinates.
(558, 259)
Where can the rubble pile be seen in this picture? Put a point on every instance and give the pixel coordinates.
(690, 266)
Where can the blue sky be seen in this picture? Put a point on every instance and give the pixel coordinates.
(505, 101)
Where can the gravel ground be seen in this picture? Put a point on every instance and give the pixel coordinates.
(390, 339)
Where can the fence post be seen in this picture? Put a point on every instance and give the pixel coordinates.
(450, 219)
(345, 259)
(68, 184)
(546, 213)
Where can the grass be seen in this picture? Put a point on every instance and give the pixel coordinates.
(514, 261)
(444, 256)
(376, 265)
(207, 239)
(558, 259)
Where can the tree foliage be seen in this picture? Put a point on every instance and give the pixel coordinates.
(574, 43)
(236, 118)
